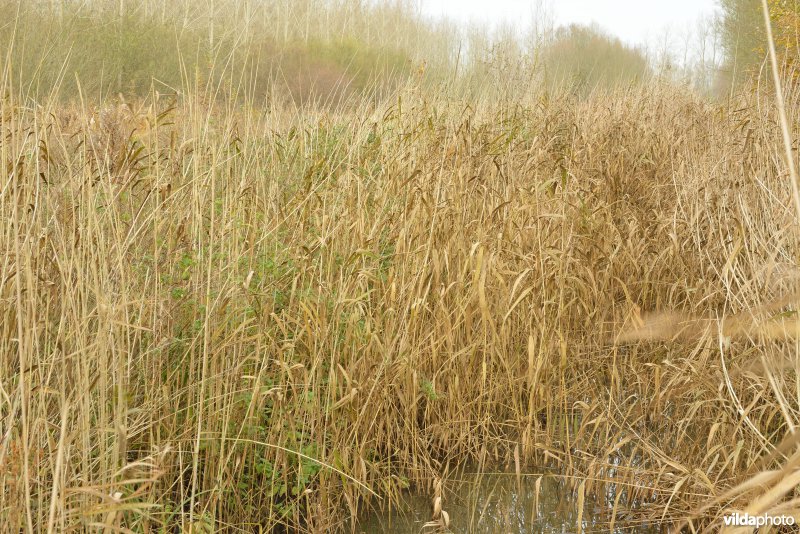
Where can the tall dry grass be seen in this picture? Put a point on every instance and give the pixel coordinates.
(220, 316)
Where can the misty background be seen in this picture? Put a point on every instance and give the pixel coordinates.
(326, 51)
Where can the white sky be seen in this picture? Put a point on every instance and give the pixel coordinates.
(637, 22)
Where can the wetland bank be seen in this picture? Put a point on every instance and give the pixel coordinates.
(240, 297)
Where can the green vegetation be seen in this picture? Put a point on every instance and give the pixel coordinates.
(581, 59)
(743, 36)
(317, 51)
(130, 48)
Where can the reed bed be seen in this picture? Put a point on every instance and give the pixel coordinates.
(222, 317)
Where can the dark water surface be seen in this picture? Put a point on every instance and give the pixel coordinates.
(497, 503)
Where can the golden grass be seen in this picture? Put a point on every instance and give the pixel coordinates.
(215, 317)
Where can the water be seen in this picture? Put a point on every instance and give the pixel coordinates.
(496, 503)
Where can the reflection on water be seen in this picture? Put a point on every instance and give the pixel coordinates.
(501, 503)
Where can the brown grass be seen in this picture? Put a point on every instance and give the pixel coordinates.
(217, 317)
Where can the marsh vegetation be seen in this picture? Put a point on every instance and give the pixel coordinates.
(280, 275)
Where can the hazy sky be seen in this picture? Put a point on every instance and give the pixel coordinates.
(634, 21)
